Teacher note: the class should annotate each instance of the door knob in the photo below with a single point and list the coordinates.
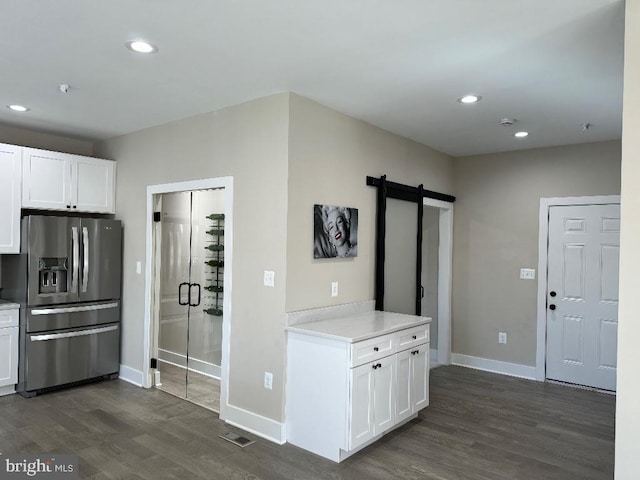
(553, 294)
(552, 307)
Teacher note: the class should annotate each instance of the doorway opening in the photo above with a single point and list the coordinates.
(190, 285)
(414, 265)
(189, 255)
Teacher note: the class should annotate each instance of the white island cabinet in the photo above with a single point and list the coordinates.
(8, 347)
(61, 181)
(352, 379)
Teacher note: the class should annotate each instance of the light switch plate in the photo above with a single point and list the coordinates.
(527, 274)
(138, 267)
(334, 289)
(269, 278)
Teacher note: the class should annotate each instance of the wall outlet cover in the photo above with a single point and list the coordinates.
(268, 380)
(527, 274)
(269, 278)
(334, 289)
(502, 337)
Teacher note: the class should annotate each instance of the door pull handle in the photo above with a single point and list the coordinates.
(199, 294)
(180, 294)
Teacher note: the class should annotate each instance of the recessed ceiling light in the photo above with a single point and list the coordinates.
(470, 99)
(521, 134)
(17, 108)
(140, 46)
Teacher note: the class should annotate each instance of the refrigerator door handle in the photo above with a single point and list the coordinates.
(81, 333)
(75, 258)
(85, 263)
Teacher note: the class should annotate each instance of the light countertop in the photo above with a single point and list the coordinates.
(4, 305)
(360, 326)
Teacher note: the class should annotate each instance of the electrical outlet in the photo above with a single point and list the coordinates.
(268, 380)
(527, 274)
(269, 278)
(138, 267)
(334, 289)
(502, 337)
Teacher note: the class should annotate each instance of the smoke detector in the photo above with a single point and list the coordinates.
(507, 122)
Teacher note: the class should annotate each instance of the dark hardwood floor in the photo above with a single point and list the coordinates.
(478, 426)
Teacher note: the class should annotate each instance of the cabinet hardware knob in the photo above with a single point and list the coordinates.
(68, 206)
(553, 294)
(379, 365)
(75, 206)
(552, 307)
(414, 337)
(374, 366)
(375, 349)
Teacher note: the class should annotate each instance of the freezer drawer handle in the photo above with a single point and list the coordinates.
(82, 333)
(88, 308)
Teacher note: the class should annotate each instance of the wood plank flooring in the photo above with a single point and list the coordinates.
(479, 426)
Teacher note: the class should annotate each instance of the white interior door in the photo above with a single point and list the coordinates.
(582, 294)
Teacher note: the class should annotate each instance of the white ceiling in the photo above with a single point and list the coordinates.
(398, 64)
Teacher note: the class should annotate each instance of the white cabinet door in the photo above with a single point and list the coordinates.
(404, 385)
(10, 178)
(384, 407)
(8, 356)
(361, 405)
(93, 185)
(46, 180)
(420, 377)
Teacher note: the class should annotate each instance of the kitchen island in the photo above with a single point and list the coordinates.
(354, 377)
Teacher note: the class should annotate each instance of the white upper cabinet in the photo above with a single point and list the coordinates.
(10, 176)
(93, 185)
(60, 181)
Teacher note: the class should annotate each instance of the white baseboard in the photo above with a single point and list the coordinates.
(257, 424)
(8, 390)
(495, 366)
(131, 375)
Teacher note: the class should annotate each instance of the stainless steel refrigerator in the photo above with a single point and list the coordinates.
(67, 280)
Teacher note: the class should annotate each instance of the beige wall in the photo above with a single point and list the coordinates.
(46, 141)
(496, 234)
(248, 142)
(330, 156)
(627, 411)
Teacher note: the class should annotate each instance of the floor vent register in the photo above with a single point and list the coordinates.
(236, 439)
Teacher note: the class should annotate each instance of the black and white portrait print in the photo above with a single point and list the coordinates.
(335, 231)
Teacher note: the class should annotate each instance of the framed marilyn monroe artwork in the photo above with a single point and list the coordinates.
(335, 231)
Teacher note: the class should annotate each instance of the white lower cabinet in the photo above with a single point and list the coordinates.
(337, 404)
(412, 381)
(8, 350)
(372, 406)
